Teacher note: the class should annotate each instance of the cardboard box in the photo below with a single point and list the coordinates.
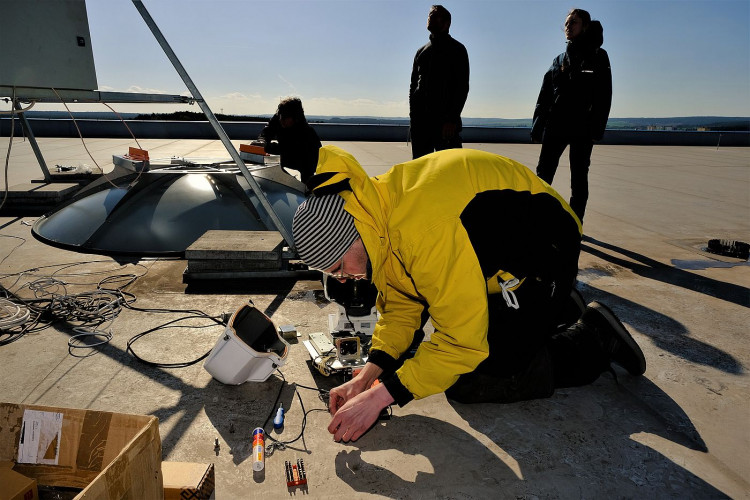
(187, 481)
(110, 456)
(16, 486)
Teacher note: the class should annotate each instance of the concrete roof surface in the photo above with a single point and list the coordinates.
(680, 431)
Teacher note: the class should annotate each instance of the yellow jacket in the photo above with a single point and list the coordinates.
(410, 221)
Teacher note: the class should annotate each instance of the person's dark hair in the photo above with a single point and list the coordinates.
(291, 107)
(594, 36)
(443, 12)
(583, 15)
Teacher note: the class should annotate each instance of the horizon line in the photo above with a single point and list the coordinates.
(264, 115)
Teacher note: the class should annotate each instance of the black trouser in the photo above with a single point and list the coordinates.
(427, 138)
(553, 146)
(528, 357)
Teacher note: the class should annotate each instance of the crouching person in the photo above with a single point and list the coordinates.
(484, 247)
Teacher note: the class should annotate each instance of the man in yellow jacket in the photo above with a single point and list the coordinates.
(483, 246)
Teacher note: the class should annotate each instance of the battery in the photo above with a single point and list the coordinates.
(259, 449)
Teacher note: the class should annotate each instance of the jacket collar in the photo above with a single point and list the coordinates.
(338, 171)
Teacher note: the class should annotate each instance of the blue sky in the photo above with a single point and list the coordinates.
(354, 57)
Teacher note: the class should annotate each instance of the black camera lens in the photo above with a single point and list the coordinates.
(348, 347)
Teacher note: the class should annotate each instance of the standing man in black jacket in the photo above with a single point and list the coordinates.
(573, 105)
(438, 90)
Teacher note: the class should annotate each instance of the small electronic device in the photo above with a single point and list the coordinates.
(347, 345)
(348, 349)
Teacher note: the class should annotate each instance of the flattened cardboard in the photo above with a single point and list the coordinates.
(109, 455)
(187, 481)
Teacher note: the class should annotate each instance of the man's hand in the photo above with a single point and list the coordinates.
(359, 413)
(343, 393)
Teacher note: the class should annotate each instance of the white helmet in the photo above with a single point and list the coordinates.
(249, 350)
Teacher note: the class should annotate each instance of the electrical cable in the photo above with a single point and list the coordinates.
(92, 308)
(76, 342)
(124, 123)
(31, 271)
(322, 391)
(10, 145)
(91, 312)
(80, 135)
(194, 313)
(22, 110)
(12, 314)
(277, 443)
(323, 394)
(23, 240)
(17, 322)
(181, 364)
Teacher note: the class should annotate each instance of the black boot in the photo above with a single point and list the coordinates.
(614, 339)
(574, 307)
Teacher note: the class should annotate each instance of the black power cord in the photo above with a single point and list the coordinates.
(182, 364)
(277, 443)
(85, 312)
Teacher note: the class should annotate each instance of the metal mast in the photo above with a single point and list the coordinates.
(214, 122)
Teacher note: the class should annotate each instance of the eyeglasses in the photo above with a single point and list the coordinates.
(337, 272)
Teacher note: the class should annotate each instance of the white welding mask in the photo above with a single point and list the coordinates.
(249, 350)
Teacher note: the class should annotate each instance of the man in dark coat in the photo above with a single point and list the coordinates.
(438, 90)
(289, 135)
(573, 105)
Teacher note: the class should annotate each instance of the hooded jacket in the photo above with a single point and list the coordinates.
(576, 93)
(441, 232)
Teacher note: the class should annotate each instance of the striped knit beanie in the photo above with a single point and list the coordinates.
(323, 231)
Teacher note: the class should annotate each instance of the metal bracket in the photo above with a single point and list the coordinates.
(32, 141)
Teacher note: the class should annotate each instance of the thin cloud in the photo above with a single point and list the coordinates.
(289, 84)
(133, 89)
(355, 107)
(239, 96)
(145, 90)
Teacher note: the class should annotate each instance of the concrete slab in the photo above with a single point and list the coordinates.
(32, 191)
(251, 245)
(229, 265)
(35, 198)
(681, 431)
(221, 255)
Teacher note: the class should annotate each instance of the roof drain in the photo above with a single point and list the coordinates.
(729, 248)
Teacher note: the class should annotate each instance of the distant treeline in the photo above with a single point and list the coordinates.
(192, 116)
(718, 123)
(677, 123)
